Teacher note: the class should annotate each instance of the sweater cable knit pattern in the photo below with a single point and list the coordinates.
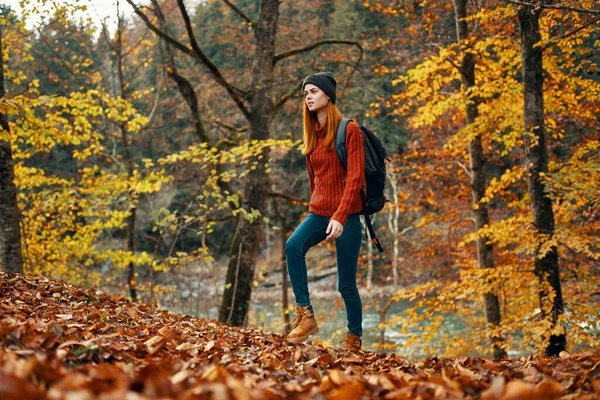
(334, 191)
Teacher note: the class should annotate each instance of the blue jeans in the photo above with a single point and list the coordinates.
(311, 232)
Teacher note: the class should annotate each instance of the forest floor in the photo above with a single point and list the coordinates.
(62, 341)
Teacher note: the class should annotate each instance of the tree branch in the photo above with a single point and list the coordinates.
(155, 106)
(183, 85)
(554, 6)
(226, 142)
(188, 93)
(464, 167)
(208, 63)
(354, 69)
(231, 128)
(582, 27)
(196, 53)
(455, 65)
(163, 35)
(284, 196)
(281, 101)
(293, 52)
(238, 12)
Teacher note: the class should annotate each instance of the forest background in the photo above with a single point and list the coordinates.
(159, 158)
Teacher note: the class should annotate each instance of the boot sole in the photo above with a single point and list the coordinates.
(300, 339)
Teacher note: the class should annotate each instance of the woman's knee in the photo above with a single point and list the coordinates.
(348, 289)
(293, 247)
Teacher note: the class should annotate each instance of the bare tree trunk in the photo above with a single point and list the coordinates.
(130, 221)
(284, 272)
(485, 251)
(369, 262)
(131, 248)
(10, 234)
(393, 224)
(382, 321)
(184, 86)
(266, 228)
(285, 303)
(234, 306)
(546, 266)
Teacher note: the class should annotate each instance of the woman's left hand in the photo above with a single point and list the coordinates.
(334, 230)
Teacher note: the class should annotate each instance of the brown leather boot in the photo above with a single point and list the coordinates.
(304, 325)
(352, 342)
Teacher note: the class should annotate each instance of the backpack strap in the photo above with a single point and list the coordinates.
(374, 240)
(340, 149)
(340, 142)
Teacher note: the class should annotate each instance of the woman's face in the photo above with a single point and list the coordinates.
(315, 98)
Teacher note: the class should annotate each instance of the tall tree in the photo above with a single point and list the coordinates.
(117, 46)
(10, 234)
(546, 262)
(485, 250)
(258, 105)
(259, 114)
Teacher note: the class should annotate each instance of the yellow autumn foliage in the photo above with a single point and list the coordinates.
(63, 217)
(433, 105)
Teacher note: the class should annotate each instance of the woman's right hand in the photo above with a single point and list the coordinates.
(334, 230)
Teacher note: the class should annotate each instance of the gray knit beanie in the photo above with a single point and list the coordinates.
(325, 81)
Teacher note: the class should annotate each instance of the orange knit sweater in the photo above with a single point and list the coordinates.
(334, 191)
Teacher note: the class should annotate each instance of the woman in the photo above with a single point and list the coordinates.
(334, 208)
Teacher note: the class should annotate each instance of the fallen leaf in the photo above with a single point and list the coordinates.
(564, 354)
(155, 343)
(468, 373)
(185, 346)
(338, 377)
(518, 390)
(14, 388)
(495, 390)
(181, 376)
(112, 348)
(351, 391)
(209, 345)
(548, 389)
(297, 355)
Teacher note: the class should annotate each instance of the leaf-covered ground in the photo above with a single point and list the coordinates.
(61, 341)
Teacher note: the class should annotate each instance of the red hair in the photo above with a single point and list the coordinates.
(310, 127)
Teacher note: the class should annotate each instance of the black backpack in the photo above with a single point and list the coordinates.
(375, 157)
